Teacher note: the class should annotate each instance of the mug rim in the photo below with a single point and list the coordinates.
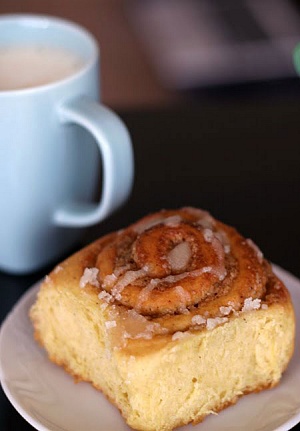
(46, 20)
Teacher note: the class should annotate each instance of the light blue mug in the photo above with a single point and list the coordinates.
(53, 140)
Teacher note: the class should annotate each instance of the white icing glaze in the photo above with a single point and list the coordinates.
(180, 256)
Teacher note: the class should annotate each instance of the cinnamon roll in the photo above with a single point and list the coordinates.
(173, 318)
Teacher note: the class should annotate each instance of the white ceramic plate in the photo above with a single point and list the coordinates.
(49, 400)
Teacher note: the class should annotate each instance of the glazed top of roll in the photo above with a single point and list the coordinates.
(173, 271)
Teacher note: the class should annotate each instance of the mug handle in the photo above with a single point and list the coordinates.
(115, 147)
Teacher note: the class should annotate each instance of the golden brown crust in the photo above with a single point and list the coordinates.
(152, 291)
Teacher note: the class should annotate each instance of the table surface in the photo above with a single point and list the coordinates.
(236, 157)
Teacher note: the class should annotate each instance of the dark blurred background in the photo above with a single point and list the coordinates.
(161, 52)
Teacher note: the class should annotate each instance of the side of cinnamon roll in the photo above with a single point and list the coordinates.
(173, 318)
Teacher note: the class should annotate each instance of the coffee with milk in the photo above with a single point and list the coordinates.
(31, 66)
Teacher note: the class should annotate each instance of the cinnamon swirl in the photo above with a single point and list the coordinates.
(173, 318)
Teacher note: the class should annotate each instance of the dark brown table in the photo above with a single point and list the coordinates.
(236, 156)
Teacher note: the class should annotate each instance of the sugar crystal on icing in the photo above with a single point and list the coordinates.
(179, 335)
(110, 324)
(198, 320)
(121, 270)
(223, 238)
(225, 310)
(183, 310)
(57, 269)
(89, 277)
(277, 285)
(105, 296)
(145, 335)
(211, 323)
(208, 235)
(109, 280)
(227, 248)
(251, 304)
(48, 279)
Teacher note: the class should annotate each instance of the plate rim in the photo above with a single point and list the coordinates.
(31, 292)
